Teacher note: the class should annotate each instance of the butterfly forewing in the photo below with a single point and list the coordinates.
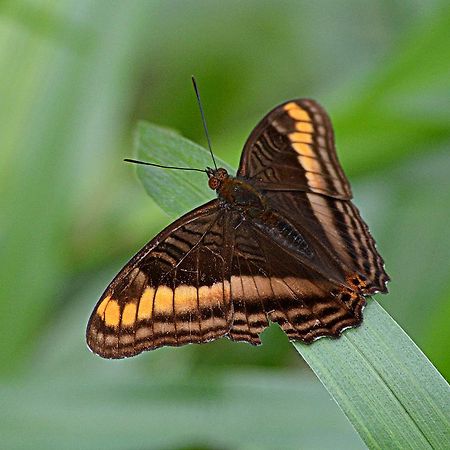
(176, 290)
(291, 156)
(293, 148)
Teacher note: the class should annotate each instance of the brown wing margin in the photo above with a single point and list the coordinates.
(292, 148)
(176, 290)
(267, 283)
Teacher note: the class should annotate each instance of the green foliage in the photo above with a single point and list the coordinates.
(75, 78)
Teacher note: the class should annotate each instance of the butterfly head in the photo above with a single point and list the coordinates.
(216, 177)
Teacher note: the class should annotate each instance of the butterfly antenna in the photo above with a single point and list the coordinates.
(135, 161)
(203, 120)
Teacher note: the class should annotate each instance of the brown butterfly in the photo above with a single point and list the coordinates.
(282, 242)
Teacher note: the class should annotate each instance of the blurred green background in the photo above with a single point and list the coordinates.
(75, 76)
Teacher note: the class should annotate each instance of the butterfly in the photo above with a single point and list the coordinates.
(282, 242)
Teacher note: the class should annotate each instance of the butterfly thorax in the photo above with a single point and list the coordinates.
(250, 204)
(237, 193)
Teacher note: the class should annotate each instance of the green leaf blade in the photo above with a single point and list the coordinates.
(176, 191)
(388, 389)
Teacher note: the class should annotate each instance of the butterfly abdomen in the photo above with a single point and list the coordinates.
(284, 233)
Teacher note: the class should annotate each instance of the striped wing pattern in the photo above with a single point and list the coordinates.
(337, 226)
(219, 271)
(176, 290)
(291, 156)
(268, 283)
(293, 148)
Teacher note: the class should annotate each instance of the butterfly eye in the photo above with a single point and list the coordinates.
(213, 183)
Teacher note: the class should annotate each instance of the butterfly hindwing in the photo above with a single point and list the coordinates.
(176, 290)
(293, 148)
(270, 283)
(336, 225)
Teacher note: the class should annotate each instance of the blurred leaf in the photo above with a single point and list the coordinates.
(58, 115)
(401, 109)
(123, 409)
(387, 388)
(411, 218)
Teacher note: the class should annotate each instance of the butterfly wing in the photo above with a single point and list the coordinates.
(176, 290)
(337, 226)
(291, 157)
(293, 148)
(269, 283)
(216, 272)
